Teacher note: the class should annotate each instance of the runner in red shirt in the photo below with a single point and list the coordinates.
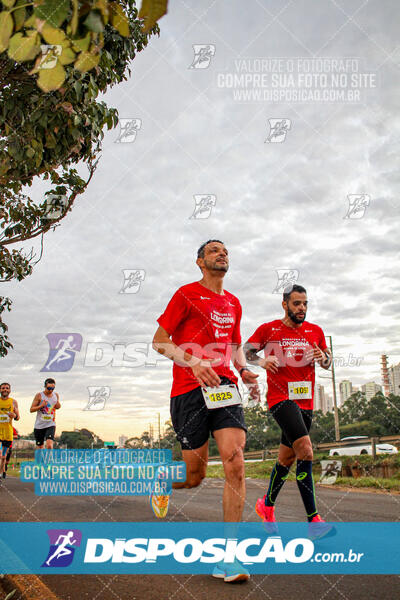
(291, 347)
(200, 332)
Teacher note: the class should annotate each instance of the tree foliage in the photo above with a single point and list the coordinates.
(82, 438)
(49, 38)
(47, 134)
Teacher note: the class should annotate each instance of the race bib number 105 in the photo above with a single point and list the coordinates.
(300, 390)
(223, 395)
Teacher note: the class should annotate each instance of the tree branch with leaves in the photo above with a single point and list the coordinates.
(56, 56)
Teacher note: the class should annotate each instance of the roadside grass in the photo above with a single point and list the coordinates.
(379, 483)
(14, 471)
(262, 470)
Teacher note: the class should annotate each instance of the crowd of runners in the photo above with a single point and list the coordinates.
(200, 332)
(44, 404)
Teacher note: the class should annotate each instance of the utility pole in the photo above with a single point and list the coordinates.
(159, 431)
(335, 406)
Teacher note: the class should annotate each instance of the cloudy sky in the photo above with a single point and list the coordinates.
(279, 200)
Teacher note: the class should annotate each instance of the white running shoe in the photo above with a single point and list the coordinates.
(231, 573)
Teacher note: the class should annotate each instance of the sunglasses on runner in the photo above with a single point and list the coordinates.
(50, 388)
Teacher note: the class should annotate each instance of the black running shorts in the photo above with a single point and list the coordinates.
(47, 433)
(294, 421)
(193, 421)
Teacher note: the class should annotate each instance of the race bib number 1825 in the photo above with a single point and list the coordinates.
(223, 395)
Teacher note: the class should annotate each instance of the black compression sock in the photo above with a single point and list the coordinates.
(278, 477)
(305, 483)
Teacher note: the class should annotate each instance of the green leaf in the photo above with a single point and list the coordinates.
(52, 11)
(119, 20)
(86, 61)
(51, 141)
(8, 3)
(52, 35)
(30, 152)
(23, 48)
(75, 17)
(51, 79)
(82, 44)
(4, 165)
(102, 5)
(31, 21)
(94, 21)
(78, 88)
(6, 29)
(67, 55)
(151, 11)
(19, 15)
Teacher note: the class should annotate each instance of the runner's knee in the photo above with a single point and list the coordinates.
(303, 449)
(286, 456)
(234, 464)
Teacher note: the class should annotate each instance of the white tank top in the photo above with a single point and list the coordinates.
(45, 417)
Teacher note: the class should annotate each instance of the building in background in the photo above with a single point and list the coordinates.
(385, 374)
(328, 403)
(370, 389)
(121, 440)
(320, 400)
(394, 379)
(345, 390)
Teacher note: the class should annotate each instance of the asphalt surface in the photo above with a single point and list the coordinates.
(19, 503)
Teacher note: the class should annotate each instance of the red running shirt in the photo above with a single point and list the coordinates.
(289, 345)
(204, 324)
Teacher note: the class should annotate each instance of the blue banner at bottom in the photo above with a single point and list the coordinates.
(193, 548)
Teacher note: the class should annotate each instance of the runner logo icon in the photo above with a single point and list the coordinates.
(62, 547)
(63, 347)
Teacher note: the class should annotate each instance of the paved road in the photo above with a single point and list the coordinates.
(19, 503)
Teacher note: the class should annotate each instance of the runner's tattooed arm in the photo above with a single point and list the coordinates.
(36, 403)
(270, 363)
(250, 353)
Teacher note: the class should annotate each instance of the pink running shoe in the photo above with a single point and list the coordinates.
(267, 515)
(318, 528)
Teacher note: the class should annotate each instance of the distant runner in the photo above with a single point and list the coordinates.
(9, 453)
(291, 347)
(15, 433)
(7, 415)
(45, 405)
(204, 323)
